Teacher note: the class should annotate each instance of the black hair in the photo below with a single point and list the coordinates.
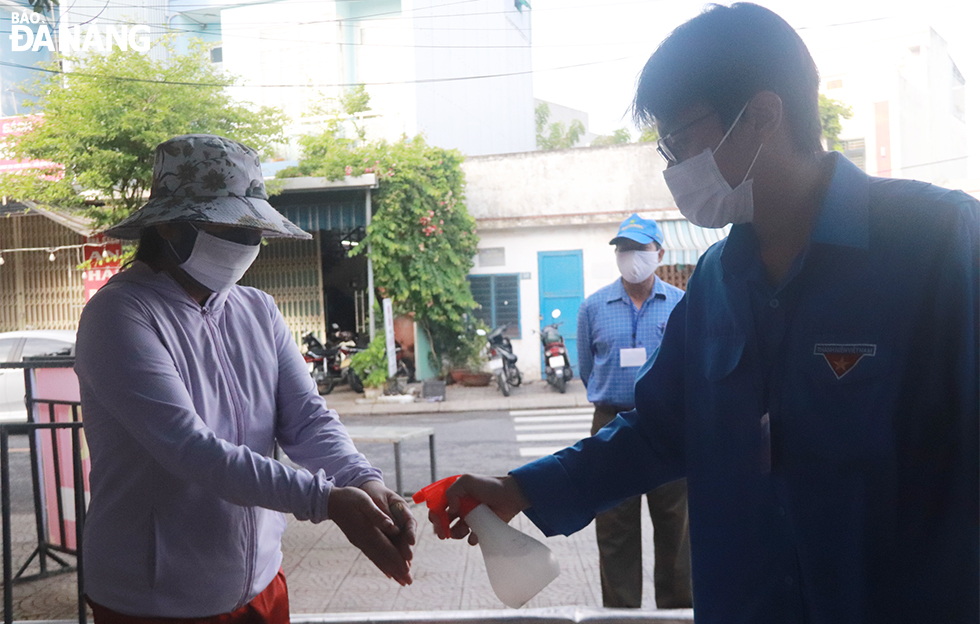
(153, 248)
(722, 58)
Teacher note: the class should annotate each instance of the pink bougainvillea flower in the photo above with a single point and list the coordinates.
(348, 170)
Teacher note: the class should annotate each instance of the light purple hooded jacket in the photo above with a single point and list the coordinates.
(182, 405)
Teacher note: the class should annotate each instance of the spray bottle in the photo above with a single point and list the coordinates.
(518, 565)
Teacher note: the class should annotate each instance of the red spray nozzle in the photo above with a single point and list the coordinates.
(434, 496)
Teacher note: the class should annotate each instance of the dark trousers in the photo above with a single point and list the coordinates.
(618, 533)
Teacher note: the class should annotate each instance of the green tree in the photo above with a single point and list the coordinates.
(352, 101)
(648, 133)
(831, 112)
(554, 135)
(618, 137)
(103, 120)
(422, 240)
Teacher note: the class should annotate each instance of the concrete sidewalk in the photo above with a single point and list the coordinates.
(533, 394)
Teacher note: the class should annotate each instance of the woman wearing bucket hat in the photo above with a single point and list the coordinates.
(188, 382)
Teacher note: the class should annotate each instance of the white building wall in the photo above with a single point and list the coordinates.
(567, 185)
(521, 246)
(565, 200)
(404, 52)
(925, 133)
(491, 38)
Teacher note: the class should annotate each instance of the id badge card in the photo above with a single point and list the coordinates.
(632, 357)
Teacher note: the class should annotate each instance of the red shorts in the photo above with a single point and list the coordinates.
(269, 607)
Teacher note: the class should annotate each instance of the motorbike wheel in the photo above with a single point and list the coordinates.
(502, 382)
(513, 376)
(325, 384)
(355, 382)
(560, 383)
(406, 369)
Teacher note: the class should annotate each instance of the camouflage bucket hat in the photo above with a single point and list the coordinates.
(207, 179)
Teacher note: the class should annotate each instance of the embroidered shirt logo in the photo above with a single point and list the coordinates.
(842, 358)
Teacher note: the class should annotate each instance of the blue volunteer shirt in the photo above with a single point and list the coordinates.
(609, 321)
(827, 426)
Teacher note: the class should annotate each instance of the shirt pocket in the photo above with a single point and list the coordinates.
(845, 409)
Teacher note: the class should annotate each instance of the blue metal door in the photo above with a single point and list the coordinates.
(560, 287)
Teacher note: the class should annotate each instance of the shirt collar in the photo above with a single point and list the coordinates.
(618, 292)
(842, 220)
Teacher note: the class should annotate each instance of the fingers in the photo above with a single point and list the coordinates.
(373, 532)
(461, 530)
(387, 557)
(405, 521)
(438, 527)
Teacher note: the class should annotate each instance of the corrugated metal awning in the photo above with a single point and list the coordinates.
(338, 216)
(684, 242)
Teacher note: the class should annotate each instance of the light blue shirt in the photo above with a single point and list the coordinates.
(827, 427)
(608, 321)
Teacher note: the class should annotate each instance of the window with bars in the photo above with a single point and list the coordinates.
(854, 151)
(498, 301)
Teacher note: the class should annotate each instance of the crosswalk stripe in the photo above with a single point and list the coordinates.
(550, 412)
(553, 419)
(564, 426)
(546, 427)
(541, 437)
(538, 451)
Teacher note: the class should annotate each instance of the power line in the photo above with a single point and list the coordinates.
(227, 30)
(438, 47)
(340, 84)
(935, 162)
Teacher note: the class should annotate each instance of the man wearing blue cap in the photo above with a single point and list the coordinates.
(619, 327)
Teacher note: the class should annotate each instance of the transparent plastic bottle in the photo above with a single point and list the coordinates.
(518, 565)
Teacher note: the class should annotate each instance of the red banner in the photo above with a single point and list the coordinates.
(15, 126)
(59, 384)
(104, 261)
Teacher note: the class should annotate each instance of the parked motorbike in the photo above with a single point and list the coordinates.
(557, 367)
(330, 365)
(503, 361)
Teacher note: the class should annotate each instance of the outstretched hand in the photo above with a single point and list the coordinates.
(377, 521)
(502, 495)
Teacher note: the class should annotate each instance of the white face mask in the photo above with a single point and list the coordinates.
(703, 195)
(636, 267)
(217, 263)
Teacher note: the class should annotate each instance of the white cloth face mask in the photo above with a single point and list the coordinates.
(217, 263)
(637, 266)
(703, 195)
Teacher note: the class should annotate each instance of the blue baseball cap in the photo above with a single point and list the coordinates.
(643, 231)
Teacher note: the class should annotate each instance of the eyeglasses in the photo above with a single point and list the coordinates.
(664, 149)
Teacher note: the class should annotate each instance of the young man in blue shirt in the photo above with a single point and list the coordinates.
(619, 326)
(818, 385)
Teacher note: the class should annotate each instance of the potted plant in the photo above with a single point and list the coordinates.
(371, 366)
(468, 361)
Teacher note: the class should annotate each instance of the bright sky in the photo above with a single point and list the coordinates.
(571, 32)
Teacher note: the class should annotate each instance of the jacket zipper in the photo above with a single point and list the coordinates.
(240, 439)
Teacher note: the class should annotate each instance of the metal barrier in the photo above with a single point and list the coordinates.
(62, 533)
(548, 615)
